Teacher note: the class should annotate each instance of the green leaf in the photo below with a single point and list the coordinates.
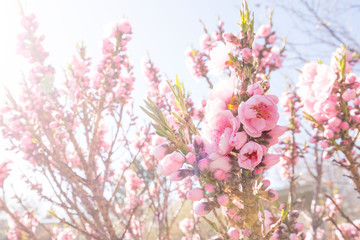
(211, 223)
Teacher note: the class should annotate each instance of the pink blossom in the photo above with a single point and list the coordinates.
(159, 151)
(219, 58)
(219, 97)
(219, 130)
(209, 188)
(315, 86)
(234, 233)
(247, 56)
(259, 113)
(275, 133)
(255, 89)
(344, 125)
(270, 160)
(190, 158)
(195, 194)
(299, 226)
(186, 225)
(171, 163)
(273, 195)
(263, 31)
(349, 95)
(218, 161)
(223, 199)
(202, 209)
(219, 174)
(250, 155)
(203, 164)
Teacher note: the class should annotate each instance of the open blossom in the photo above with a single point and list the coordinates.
(251, 155)
(219, 58)
(264, 31)
(186, 225)
(259, 113)
(221, 129)
(315, 86)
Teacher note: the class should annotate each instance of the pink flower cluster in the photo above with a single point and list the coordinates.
(16, 231)
(330, 95)
(197, 59)
(63, 234)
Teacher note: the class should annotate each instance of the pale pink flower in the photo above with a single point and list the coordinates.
(218, 161)
(255, 89)
(159, 151)
(234, 233)
(259, 113)
(202, 209)
(275, 133)
(251, 155)
(270, 160)
(219, 58)
(195, 194)
(315, 86)
(186, 225)
(171, 163)
(209, 188)
(222, 127)
(349, 95)
(223, 199)
(263, 31)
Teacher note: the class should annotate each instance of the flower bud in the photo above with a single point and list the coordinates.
(203, 164)
(195, 194)
(299, 226)
(349, 95)
(273, 195)
(223, 200)
(203, 208)
(159, 151)
(190, 158)
(219, 174)
(234, 233)
(209, 188)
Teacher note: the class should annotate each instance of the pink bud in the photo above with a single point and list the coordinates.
(299, 226)
(273, 195)
(255, 89)
(349, 95)
(265, 184)
(272, 39)
(246, 54)
(203, 102)
(219, 174)
(334, 122)
(159, 151)
(324, 144)
(171, 163)
(293, 236)
(357, 101)
(202, 209)
(190, 158)
(203, 164)
(234, 233)
(209, 188)
(328, 133)
(195, 194)
(270, 160)
(344, 125)
(223, 200)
